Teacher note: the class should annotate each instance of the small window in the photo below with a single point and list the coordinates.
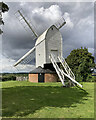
(52, 28)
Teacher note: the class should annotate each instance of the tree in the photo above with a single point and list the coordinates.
(80, 61)
(3, 8)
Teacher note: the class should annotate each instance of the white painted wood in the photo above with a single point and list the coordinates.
(55, 54)
(53, 42)
(40, 54)
(57, 68)
(41, 38)
(66, 67)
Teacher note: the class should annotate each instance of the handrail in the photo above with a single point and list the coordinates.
(59, 72)
(66, 67)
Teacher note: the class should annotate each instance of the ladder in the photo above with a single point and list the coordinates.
(60, 72)
(66, 67)
(57, 68)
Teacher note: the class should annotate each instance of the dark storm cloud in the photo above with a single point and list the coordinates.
(76, 33)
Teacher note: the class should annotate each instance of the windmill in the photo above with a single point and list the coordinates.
(48, 54)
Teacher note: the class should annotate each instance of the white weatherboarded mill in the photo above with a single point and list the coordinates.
(48, 51)
(49, 42)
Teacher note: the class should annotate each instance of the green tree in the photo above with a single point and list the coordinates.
(80, 61)
(3, 8)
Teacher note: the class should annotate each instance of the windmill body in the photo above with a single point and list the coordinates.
(50, 42)
(48, 54)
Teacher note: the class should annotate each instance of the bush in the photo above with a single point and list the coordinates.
(90, 78)
(8, 77)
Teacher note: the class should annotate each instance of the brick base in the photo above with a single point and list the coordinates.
(33, 78)
(47, 77)
(51, 78)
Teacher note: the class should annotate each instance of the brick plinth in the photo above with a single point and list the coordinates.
(51, 78)
(47, 77)
(33, 78)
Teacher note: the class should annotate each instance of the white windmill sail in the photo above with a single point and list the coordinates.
(26, 23)
(61, 22)
(29, 56)
(26, 58)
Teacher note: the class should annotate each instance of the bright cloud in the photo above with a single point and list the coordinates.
(22, 3)
(7, 65)
(52, 13)
(88, 22)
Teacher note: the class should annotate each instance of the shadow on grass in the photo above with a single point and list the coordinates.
(21, 101)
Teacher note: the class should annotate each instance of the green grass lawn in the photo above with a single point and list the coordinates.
(46, 100)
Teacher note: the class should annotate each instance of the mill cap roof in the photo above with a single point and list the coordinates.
(43, 36)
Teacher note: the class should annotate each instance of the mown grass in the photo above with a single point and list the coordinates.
(46, 100)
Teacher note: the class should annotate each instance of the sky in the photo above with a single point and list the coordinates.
(16, 41)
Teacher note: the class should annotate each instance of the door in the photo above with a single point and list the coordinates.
(55, 54)
(40, 77)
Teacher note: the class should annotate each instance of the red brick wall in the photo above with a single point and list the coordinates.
(33, 78)
(47, 78)
(51, 78)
